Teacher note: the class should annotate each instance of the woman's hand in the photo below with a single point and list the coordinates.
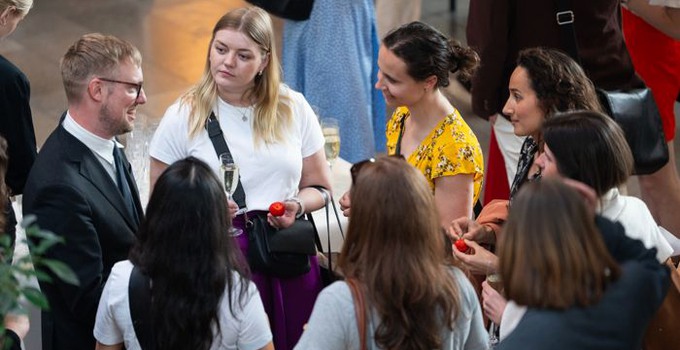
(232, 207)
(478, 260)
(288, 217)
(18, 323)
(466, 228)
(345, 203)
(493, 303)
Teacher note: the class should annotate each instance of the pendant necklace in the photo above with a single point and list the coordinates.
(243, 112)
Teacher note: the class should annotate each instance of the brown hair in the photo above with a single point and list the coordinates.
(551, 254)
(395, 249)
(94, 54)
(559, 82)
(427, 52)
(589, 147)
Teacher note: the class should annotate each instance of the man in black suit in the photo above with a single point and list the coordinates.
(81, 187)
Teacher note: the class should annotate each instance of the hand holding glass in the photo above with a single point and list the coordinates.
(494, 280)
(230, 178)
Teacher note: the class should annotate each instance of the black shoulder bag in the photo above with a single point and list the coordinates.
(275, 252)
(635, 110)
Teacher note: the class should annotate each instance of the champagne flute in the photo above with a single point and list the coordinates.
(230, 179)
(494, 280)
(331, 134)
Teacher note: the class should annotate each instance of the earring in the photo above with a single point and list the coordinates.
(259, 74)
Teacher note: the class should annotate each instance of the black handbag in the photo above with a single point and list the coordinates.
(280, 252)
(297, 10)
(275, 252)
(634, 110)
(637, 114)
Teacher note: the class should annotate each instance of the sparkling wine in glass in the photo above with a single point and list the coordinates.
(230, 177)
(494, 280)
(331, 134)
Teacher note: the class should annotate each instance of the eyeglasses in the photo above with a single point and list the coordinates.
(356, 168)
(136, 85)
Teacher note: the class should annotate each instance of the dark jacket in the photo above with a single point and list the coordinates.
(73, 196)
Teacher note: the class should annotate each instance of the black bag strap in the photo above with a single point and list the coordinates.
(139, 294)
(565, 20)
(220, 145)
(327, 198)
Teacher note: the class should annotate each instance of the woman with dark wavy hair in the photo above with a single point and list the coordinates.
(394, 250)
(201, 296)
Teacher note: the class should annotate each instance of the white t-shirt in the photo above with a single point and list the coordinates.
(113, 325)
(635, 217)
(269, 173)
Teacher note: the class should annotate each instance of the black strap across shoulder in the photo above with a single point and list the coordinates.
(565, 20)
(220, 145)
(139, 294)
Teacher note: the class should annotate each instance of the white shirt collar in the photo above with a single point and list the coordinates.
(100, 146)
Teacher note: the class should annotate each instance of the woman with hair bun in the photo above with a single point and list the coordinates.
(415, 62)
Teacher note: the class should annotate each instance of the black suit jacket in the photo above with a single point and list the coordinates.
(73, 196)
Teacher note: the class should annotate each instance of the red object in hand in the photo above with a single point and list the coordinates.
(277, 209)
(461, 246)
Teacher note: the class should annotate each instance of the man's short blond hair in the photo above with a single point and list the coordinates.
(94, 54)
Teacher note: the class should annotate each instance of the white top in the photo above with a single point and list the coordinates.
(113, 325)
(332, 325)
(269, 173)
(669, 3)
(635, 217)
(512, 314)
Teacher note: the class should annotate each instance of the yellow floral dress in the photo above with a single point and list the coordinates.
(450, 149)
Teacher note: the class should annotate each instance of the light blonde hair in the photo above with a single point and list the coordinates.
(273, 114)
(21, 6)
(94, 54)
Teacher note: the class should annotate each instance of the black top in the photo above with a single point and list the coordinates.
(16, 124)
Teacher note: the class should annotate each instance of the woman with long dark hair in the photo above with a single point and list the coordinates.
(395, 252)
(201, 296)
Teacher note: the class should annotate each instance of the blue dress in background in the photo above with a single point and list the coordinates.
(332, 59)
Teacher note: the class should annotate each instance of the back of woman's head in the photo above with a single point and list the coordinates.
(394, 247)
(184, 248)
(551, 254)
(589, 147)
(427, 52)
(559, 82)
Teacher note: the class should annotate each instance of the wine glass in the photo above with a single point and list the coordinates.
(331, 134)
(494, 280)
(230, 179)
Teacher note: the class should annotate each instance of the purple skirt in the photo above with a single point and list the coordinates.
(287, 301)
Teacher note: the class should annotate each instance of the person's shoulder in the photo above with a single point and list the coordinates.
(294, 96)
(9, 71)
